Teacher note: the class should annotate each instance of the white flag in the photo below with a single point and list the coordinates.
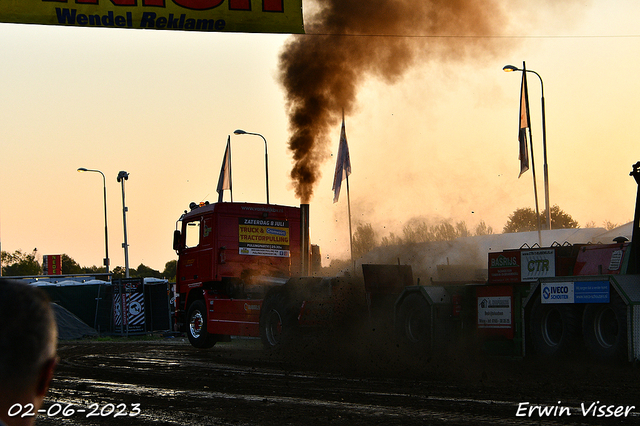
(343, 164)
(224, 181)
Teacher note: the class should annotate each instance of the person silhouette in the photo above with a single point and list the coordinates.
(28, 346)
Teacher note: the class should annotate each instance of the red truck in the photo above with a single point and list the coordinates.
(245, 270)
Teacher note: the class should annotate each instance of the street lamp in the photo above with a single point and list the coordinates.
(266, 157)
(106, 232)
(122, 176)
(511, 68)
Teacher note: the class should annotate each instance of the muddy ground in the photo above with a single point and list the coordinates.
(168, 382)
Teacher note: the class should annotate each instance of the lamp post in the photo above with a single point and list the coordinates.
(511, 68)
(122, 176)
(266, 156)
(106, 232)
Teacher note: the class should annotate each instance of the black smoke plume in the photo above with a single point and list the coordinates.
(350, 40)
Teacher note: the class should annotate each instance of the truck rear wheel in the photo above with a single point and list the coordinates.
(278, 321)
(554, 329)
(413, 324)
(197, 332)
(604, 327)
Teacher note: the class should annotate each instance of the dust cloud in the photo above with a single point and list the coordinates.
(458, 260)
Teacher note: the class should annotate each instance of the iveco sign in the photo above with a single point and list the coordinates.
(575, 292)
(557, 292)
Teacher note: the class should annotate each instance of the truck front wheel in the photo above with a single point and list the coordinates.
(554, 329)
(197, 332)
(413, 324)
(604, 327)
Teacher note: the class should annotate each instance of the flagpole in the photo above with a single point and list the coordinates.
(230, 162)
(350, 233)
(343, 170)
(544, 146)
(533, 161)
(349, 212)
(525, 123)
(535, 188)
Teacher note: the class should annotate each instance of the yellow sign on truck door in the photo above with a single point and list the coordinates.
(252, 16)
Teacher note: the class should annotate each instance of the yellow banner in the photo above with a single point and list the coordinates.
(263, 237)
(252, 16)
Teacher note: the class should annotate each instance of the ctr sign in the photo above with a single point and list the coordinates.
(261, 16)
(538, 264)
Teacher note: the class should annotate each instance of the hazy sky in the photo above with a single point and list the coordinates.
(439, 143)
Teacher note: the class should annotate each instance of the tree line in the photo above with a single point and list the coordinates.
(20, 263)
(417, 230)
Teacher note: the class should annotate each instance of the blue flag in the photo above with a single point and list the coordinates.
(343, 164)
(525, 123)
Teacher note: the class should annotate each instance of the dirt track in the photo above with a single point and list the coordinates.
(237, 383)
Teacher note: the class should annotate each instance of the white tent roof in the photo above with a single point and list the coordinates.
(606, 237)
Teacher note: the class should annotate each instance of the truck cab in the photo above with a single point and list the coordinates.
(229, 256)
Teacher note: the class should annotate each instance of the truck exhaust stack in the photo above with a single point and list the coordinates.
(305, 246)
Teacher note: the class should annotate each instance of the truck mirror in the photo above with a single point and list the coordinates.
(176, 239)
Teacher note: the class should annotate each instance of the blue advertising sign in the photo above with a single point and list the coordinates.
(591, 292)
